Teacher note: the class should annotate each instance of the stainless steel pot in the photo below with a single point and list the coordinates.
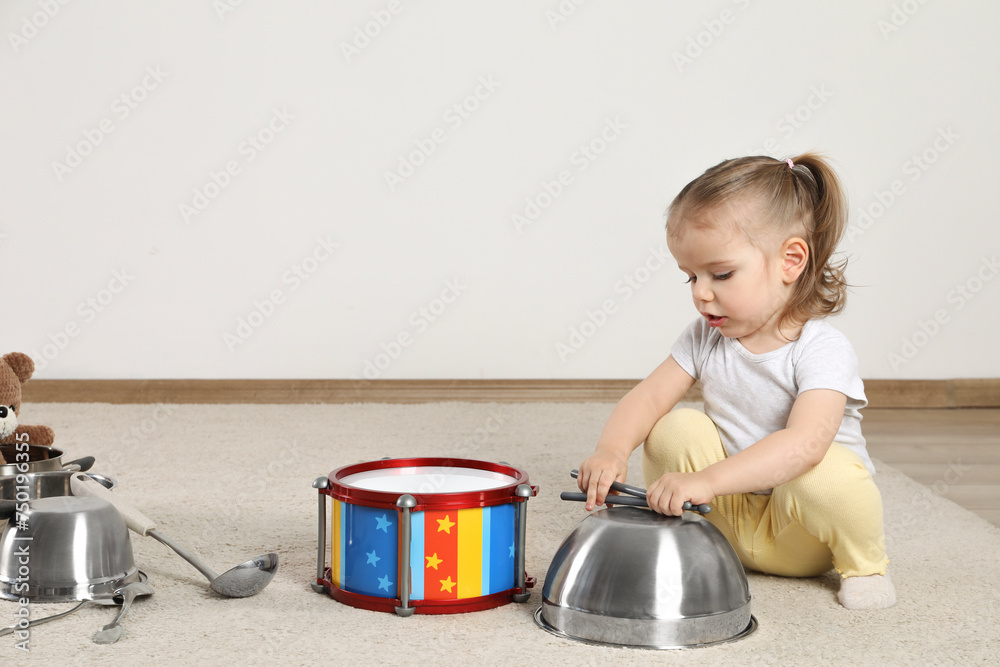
(19, 489)
(627, 576)
(38, 459)
(69, 548)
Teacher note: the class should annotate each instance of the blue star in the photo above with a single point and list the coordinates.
(383, 523)
(384, 583)
(372, 558)
(512, 550)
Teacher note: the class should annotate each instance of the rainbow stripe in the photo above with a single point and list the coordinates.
(336, 548)
(464, 553)
(454, 554)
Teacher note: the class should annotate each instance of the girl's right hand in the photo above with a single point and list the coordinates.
(597, 473)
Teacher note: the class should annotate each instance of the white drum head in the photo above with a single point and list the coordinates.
(428, 479)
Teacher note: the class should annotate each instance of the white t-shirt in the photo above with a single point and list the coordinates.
(749, 396)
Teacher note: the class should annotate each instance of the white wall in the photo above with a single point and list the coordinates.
(887, 82)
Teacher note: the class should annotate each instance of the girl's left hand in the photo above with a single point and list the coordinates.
(668, 494)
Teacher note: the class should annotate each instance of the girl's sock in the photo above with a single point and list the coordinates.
(872, 592)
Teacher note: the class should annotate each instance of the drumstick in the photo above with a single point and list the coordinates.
(620, 500)
(641, 493)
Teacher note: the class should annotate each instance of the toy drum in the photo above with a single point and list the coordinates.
(425, 535)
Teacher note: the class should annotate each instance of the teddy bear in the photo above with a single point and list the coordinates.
(15, 369)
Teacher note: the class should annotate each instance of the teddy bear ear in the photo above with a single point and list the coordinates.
(21, 364)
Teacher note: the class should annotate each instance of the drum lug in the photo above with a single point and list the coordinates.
(524, 491)
(405, 503)
(320, 483)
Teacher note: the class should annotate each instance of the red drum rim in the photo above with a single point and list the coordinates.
(372, 603)
(500, 495)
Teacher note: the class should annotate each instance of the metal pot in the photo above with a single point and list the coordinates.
(70, 548)
(34, 485)
(39, 459)
(627, 576)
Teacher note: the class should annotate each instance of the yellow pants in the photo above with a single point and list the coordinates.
(830, 516)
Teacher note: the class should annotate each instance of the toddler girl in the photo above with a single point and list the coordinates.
(778, 452)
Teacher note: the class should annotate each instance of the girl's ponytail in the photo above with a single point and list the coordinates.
(821, 289)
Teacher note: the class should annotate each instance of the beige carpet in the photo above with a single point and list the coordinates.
(234, 481)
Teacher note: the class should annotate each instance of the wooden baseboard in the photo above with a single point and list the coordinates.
(969, 393)
(323, 391)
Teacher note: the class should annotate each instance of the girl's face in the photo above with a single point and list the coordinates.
(732, 285)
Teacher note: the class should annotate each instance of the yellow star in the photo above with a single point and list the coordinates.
(445, 524)
(447, 584)
(433, 561)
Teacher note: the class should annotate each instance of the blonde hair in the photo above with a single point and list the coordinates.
(797, 197)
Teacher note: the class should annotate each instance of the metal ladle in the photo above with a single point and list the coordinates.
(246, 579)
